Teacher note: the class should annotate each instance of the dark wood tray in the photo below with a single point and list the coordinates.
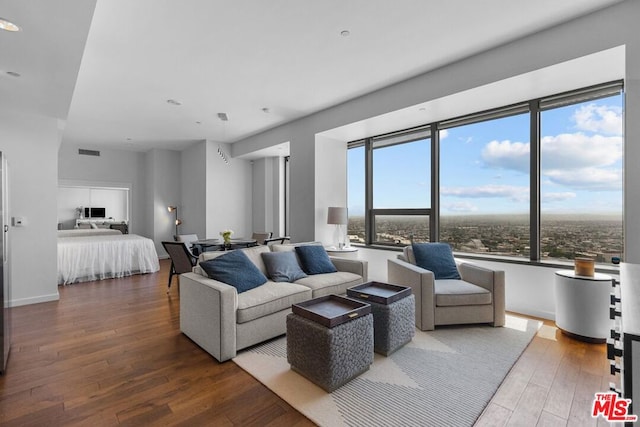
(379, 292)
(331, 310)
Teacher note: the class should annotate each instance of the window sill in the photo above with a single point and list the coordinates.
(601, 268)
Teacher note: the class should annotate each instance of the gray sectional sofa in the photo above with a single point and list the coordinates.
(222, 321)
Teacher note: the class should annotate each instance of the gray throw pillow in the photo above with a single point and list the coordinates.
(283, 266)
(236, 269)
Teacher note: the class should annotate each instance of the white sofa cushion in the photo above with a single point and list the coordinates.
(454, 292)
(269, 298)
(330, 283)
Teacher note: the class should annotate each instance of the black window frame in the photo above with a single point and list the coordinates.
(533, 106)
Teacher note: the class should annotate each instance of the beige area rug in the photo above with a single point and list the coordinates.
(444, 377)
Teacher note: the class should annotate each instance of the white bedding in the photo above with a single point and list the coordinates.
(103, 257)
(79, 232)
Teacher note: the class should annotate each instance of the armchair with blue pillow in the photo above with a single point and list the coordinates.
(448, 292)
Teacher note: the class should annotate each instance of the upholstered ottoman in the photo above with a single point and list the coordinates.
(330, 345)
(393, 309)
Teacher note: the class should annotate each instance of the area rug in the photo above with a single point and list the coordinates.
(444, 377)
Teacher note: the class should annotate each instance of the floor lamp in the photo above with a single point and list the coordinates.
(178, 221)
(338, 216)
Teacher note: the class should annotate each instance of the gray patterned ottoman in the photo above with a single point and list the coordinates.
(393, 309)
(330, 356)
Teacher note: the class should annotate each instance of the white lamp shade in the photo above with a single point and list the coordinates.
(337, 215)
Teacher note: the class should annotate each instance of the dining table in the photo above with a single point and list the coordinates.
(219, 245)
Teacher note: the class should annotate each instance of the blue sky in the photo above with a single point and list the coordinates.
(484, 167)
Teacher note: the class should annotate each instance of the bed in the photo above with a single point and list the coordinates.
(85, 257)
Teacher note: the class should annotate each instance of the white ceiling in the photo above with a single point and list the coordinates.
(236, 57)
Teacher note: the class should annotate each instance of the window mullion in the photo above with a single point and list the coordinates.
(368, 199)
(534, 176)
(434, 218)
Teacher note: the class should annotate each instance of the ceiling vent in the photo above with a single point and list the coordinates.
(84, 152)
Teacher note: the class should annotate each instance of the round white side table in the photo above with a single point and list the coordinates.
(349, 252)
(582, 305)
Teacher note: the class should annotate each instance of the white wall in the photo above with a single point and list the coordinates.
(163, 174)
(228, 193)
(268, 195)
(30, 144)
(608, 28)
(115, 168)
(330, 185)
(193, 190)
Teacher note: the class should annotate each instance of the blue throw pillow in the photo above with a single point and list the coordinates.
(235, 269)
(282, 266)
(438, 258)
(314, 259)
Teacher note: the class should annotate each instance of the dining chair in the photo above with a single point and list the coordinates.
(261, 238)
(189, 239)
(182, 260)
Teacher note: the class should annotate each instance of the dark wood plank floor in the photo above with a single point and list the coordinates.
(111, 353)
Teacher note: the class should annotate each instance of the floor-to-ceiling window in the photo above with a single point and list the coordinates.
(538, 180)
(401, 190)
(484, 185)
(581, 176)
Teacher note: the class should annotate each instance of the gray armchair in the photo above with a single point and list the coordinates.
(478, 298)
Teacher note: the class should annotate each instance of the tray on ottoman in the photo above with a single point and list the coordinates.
(331, 310)
(378, 292)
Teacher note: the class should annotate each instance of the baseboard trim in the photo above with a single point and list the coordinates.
(34, 300)
(535, 313)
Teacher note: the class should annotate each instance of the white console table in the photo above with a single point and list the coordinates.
(104, 221)
(582, 305)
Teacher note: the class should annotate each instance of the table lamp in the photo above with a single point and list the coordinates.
(338, 216)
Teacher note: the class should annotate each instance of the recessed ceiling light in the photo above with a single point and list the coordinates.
(266, 110)
(198, 122)
(13, 74)
(173, 102)
(8, 25)
(345, 33)
(223, 117)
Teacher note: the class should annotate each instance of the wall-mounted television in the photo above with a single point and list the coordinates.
(95, 212)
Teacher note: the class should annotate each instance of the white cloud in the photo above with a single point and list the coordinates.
(561, 152)
(594, 118)
(557, 197)
(577, 150)
(444, 133)
(460, 207)
(587, 178)
(512, 192)
(507, 155)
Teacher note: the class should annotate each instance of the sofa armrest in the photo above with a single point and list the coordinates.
(208, 314)
(492, 280)
(421, 282)
(355, 266)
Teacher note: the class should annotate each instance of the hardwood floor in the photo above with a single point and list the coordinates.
(111, 353)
